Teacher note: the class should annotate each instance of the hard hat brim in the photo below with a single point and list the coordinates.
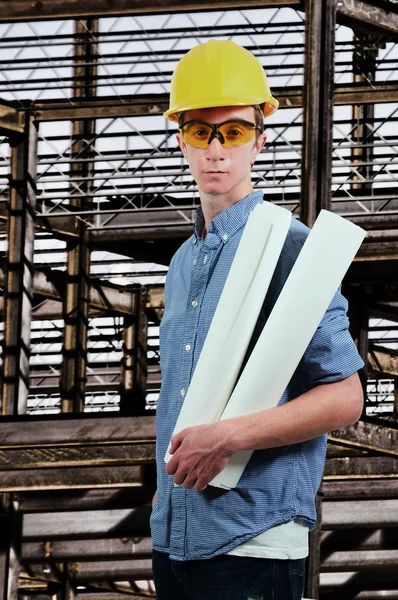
(270, 107)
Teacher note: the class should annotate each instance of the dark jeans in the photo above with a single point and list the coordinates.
(228, 577)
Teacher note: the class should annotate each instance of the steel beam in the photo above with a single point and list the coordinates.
(84, 550)
(12, 120)
(318, 109)
(45, 431)
(131, 453)
(375, 436)
(95, 499)
(51, 454)
(129, 522)
(363, 467)
(73, 477)
(383, 360)
(127, 106)
(131, 570)
(106, 107)
(74, 364)
(360, 560)
(362, 538)
(363, 513)
(370, 14)
(19, 268)
(102, 296)
(361, 489)
(25, 10)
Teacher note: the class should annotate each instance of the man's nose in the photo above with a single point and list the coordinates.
(215, 150)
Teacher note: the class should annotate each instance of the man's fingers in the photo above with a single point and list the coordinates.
(189, 482)
(174, 444)
(179, 476)
(177, 440)
(201, 485)
(172, 466)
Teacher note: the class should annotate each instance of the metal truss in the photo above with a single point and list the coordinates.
(118, 171)
(112, 199)
(138, 180)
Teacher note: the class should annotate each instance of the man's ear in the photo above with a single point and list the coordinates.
(258, 146)
(182, 145)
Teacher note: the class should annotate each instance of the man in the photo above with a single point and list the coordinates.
(249, 542)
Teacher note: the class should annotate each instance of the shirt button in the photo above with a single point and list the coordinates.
(194, 261)
(225, 237)
(194, 303)
(205, 260)
(188, 347)
(182, 392)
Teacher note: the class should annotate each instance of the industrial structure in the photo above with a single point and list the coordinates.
(94, 200)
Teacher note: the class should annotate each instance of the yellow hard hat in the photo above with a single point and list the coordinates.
(219, 73)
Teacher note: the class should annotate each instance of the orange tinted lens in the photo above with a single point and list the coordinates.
(236, 133)
(196, 134)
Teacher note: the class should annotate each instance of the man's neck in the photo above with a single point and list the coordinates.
(213, 205)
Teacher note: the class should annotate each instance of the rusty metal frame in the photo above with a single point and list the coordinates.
(318, 109)
(78, 453)
(19, 271)
(74, 364)
(22, 10)
(12, 120)
(370, 13)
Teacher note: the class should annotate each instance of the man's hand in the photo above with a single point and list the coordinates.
(199, 454)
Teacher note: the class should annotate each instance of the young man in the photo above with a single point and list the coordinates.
(249, 542)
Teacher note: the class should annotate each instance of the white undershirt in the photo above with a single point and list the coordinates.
(287, 541)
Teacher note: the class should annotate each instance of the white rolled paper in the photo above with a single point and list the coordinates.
(235, 317)
(314, 279)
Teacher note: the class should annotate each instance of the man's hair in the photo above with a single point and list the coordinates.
(259, 118)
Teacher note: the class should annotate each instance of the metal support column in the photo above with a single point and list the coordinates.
(134, 361)
(364, 70)
(314, 558)
(10, 546)
(363, 335)
(19, 271)
(76, 303)
(318, 92)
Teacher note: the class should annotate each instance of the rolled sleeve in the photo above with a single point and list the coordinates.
(331, 354)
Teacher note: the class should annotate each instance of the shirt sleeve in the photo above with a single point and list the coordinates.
(331, 355)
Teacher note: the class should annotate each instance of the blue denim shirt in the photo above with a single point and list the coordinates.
(278, 484)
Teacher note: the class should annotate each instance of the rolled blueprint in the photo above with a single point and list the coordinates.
(235, 317)
(321, 265)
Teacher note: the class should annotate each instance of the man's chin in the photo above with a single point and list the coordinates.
(214, 190)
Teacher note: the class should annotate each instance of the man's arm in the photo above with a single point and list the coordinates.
(200, 453)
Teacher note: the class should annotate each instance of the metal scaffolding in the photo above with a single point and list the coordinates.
(94, 200)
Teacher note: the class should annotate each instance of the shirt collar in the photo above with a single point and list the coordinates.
(228, 222)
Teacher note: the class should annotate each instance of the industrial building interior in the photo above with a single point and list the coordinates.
(94, 200)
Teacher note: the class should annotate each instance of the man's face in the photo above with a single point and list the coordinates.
(218, 170)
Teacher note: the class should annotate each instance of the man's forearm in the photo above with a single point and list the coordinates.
(200, 453)
(318, 411)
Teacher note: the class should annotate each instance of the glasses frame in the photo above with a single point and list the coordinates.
(214, 129)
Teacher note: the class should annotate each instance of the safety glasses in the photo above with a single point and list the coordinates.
(232, 133)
